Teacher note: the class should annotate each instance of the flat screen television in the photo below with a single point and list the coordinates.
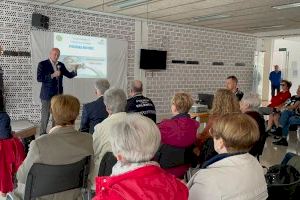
(206, 99)
(153, 59)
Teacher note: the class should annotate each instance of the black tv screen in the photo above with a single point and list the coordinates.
(153, 59)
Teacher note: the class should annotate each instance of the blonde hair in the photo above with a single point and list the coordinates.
(65, 109)
(238, 131)
(137, 138)
(183, 102)
(224, 102)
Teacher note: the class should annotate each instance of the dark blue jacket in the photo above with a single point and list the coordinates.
(5, 128)
(275, 78)
(92, 114)
(51, 87)
(142, 105)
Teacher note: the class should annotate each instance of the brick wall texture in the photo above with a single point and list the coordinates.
(181, 42)
(197, 44)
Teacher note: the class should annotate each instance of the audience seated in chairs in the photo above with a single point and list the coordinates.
(178, 134)
(63, 145)
(290, 104)
(134, 142)
(115, 102)
(249, 105)
(224, 102)
(233, 173)
(11, 154)
(278, 100)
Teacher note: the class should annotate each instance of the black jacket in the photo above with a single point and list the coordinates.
(142, 105)
(51, 86)
(93, 113)
(5, 128)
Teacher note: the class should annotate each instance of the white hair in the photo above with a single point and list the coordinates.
(115, 100)
(102, 85)
(252, 100)
(137, 138)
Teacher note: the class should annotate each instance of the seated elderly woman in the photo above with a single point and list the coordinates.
(11, 154)
(115, 102)
(224, 102)
(178, 134)
(63, 145)
(249, 105)
(134, 142)
(233, 173)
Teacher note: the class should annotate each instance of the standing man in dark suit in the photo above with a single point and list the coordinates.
(50, 73)
(94, 112)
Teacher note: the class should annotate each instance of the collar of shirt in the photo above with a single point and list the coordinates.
(53, 64)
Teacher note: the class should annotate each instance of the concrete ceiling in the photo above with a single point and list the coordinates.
(249, 16)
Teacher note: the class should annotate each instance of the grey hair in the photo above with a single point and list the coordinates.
(252, 99)
(115, 100)
(102, 85)
(137, 138)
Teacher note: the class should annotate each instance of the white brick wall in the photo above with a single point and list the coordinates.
(203, 45)
(181, 42)
(15, 26)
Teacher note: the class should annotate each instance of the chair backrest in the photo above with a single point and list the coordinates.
(46, 179)
(107, 163)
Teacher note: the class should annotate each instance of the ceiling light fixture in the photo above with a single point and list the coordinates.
(286, 6)
(128, 3)
(266, 27)
(209, 17)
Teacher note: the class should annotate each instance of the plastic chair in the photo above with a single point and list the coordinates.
(46, 179)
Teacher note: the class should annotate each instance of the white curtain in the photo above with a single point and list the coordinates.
(82, 88)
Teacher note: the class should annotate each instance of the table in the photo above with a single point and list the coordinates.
(23, 128)
(200, 117)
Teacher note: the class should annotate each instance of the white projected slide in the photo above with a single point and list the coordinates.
(89, 54)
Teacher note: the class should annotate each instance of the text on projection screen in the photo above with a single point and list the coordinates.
(89, 54)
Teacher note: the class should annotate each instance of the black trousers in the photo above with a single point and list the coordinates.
(273, 88)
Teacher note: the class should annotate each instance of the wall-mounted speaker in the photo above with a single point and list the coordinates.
(40, 21)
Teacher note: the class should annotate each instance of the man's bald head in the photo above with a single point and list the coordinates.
(54, 54)
(137, 86)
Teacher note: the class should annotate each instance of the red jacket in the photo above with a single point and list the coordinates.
(180, 131)
(145, 183)
(11, 157)
(279, 99)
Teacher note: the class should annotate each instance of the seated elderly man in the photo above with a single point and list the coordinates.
(277, 101)
(115, 102)
(63, 145)
(249, 105)
(94, 112)
(134, 142)
(139, 103)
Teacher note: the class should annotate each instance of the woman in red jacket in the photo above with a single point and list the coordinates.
(134, 142)
(11, 154)
(178, 134)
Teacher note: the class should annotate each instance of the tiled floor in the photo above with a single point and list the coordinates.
(274, 154)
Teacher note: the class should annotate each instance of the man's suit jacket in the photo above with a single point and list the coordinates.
(63, 145)
(51, 86)
(92, 114)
